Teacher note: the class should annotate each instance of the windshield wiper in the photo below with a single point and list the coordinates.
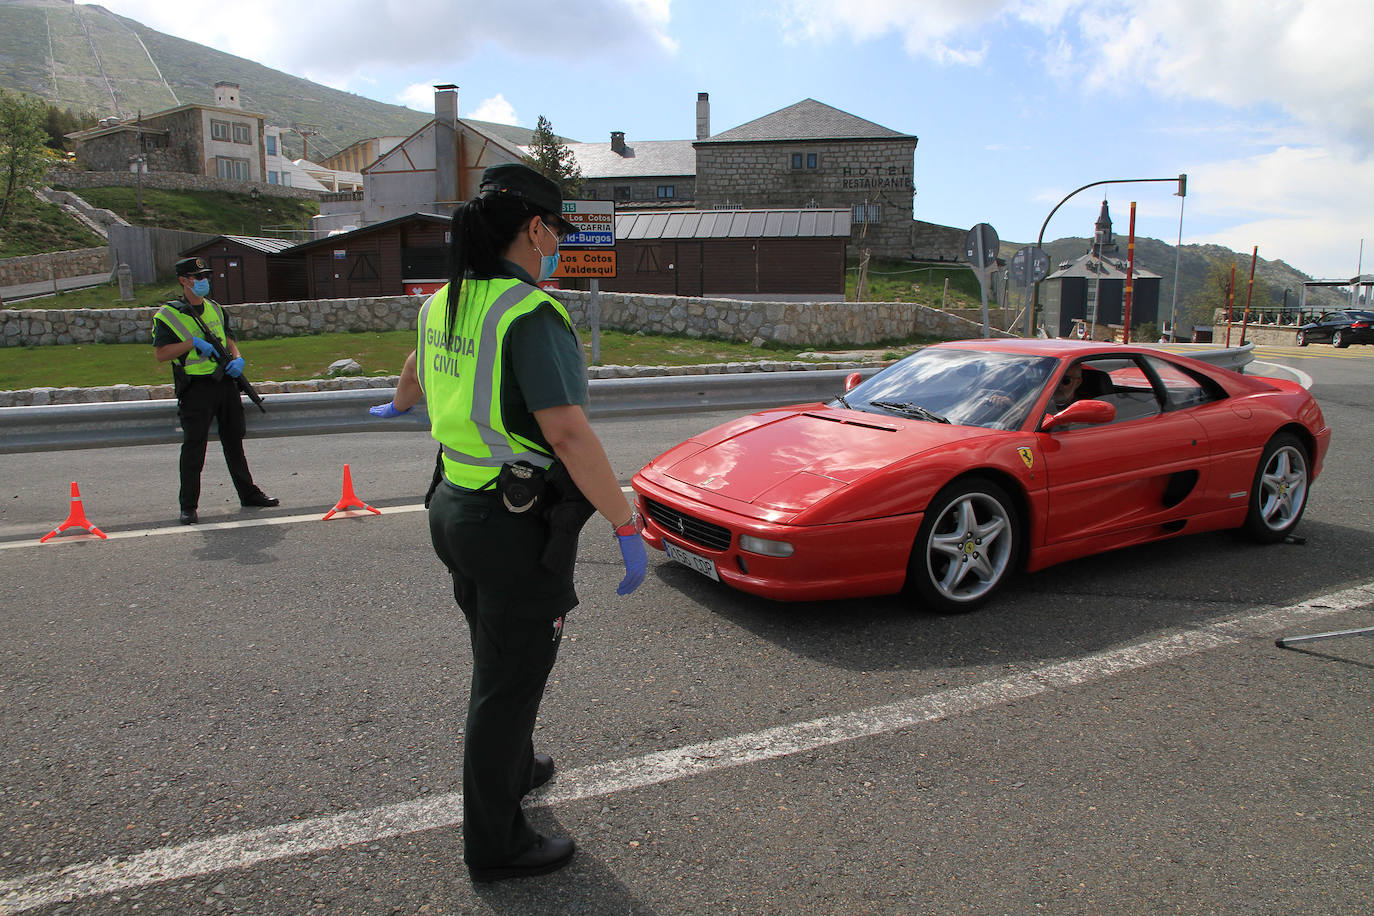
(911, 410)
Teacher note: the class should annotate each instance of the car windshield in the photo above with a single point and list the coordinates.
(963, 387)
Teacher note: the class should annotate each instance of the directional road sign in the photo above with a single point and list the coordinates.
(595, 222)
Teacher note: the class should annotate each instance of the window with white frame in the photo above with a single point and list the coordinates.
(242, 133)
(220, 130)
(235, 169)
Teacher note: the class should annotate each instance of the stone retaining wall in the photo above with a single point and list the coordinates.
(799, 324)
(170, 181)
(1261, 335)
(37, 268)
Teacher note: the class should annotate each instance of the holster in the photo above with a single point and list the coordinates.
(566, 511)
(180, 380)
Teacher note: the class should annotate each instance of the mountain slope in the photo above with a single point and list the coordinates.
(1195, 262)
(88, 59)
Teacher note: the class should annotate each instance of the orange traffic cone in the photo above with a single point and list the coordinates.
(75, 519)
(349, 499)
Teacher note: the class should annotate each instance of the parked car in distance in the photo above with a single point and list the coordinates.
(1342, 328)
(948, 471)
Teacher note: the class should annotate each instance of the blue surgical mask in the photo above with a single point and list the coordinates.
(201, 287)
(548, 263)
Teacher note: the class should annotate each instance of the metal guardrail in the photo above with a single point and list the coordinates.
(67, 426)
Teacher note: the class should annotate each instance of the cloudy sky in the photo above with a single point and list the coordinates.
(1267, 105)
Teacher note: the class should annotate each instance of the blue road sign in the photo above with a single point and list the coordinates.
(591, 237)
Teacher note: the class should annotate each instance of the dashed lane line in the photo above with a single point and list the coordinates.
(267, 844)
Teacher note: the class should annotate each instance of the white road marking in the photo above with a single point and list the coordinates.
(75, 537)
(244, 850)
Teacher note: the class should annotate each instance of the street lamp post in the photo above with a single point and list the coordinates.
(1182, 180)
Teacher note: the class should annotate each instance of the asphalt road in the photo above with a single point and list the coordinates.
(266, 716)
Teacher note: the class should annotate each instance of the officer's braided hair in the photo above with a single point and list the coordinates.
(481, 231)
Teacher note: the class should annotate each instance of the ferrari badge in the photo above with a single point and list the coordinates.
(1027, 457)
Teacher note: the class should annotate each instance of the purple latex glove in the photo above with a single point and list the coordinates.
(636, 562)
(387, 411)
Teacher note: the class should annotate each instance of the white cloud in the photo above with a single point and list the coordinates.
(927, 29)
(1308, 206)
(418, 96)
(1309, 58)
(347, 46)
(495, 109)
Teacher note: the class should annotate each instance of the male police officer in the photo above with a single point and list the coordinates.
(182, 331)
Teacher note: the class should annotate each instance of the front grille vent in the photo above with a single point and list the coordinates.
(693, 529)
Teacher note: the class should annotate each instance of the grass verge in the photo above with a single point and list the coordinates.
(283, 359)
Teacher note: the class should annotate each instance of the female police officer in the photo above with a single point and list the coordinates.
(502, 371)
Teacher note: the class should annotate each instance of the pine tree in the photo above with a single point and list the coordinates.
(550, 157)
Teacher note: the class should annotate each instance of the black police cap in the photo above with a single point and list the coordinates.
(521, 181)
(192, 267)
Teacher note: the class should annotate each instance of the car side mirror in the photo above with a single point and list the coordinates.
(851, 380)
(1080, 412)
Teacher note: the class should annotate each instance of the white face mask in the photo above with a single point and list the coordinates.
(548, 263)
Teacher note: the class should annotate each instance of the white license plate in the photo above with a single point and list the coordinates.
(702, 565)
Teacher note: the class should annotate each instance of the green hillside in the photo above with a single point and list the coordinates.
(1194, 264)
(86, 58)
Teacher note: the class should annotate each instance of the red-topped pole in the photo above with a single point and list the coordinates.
(1130, 289)
(1230, 298)
(1245, 321)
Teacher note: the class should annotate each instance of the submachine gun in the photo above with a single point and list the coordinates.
(222, 359)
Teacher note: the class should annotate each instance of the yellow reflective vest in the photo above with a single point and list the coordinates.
(462, 373)
(185, 327)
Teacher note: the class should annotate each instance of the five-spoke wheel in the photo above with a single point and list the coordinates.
(1278, 495)
(966, 546)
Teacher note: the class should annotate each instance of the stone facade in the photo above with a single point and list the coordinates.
(37, 268)
(875, 174)
(800, 324)
(188, 139)
(633, 193)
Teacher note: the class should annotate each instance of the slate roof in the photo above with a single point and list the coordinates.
(1093, 267)
(645, 159)
(267, 245)
(733, 224)
(806, 120)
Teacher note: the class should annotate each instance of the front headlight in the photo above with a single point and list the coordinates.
(764, 546)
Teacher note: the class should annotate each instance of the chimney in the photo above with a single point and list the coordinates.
(618, 142)
(446, 189)
(703, 115)
(227, 95)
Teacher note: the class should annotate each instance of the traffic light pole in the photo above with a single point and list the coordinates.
(1040, 239)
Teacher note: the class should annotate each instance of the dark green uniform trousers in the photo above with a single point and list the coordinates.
(514, 609)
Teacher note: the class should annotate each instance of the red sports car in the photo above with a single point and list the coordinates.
(947, 471)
